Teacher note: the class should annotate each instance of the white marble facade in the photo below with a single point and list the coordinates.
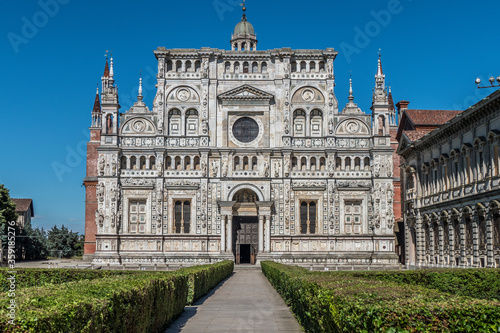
(245, 135)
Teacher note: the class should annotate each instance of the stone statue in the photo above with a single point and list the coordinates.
(102, 165)
(287, 167)
(99, 216)
(330, 126)
(100, 192)
(277, 166)
(215, 169)
(205, 67)
(266, 169)
(287, 68)
(159, 166)
(113, 167)
(203, 169)
(331, 168)
(204, 126)
(224, 169)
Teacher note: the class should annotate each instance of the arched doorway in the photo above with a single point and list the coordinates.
(245, 231)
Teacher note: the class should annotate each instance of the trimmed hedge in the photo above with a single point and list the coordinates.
(203, 278)
(483, 283)
(333, 302)
(118, 302)
(37, 277)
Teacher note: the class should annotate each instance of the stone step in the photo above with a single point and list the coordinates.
(246, 267)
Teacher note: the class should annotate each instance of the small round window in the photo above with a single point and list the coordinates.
(245, 129)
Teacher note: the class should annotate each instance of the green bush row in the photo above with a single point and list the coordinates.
(203, 278)
(37, 277)
(483, 283)
(332, 302)
(132, 302)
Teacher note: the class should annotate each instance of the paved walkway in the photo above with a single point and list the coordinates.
(245, 302)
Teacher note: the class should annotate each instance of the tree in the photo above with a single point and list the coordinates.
(36, 243)
(8, 214)
(63, 240)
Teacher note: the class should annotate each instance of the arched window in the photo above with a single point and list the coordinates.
(192, 122)
(456, 233)
(366, 162)
(143, 163)
(189, 68)
(302, 66)
(338, 163)
(178, 66)
(312, 66)
(308, 217)
(109, 124)
(468, 233)
(381, 125)
(316, 122)
(168, 163)
(435, 230)
(245, 163)
(294, 163)
(152, 162)
(236, 165)
(254, 163)
(299, 123)
(169, 65)
(313, 164)
(294, 66)
(197, 163)
(187, 163)
(347, 163)
(245, 67)
(174, 122)
(255, 67)
(228, 67)
(322, 163)
(427, 237)
(321, 66)
(303, 164)
(357, 163)
(178, 164)
(133, 162)
(123, 162)
(197, 65)
(481, 221)
(236, 67)
(264, 67)
(182, 216)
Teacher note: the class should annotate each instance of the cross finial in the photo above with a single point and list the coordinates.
(379, 52)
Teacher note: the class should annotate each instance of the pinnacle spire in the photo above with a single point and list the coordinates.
(106, 69)
(111, 72)
(351, 97)
(139, 96)
(97, 103)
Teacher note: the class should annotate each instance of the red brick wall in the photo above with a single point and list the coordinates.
(91, 192)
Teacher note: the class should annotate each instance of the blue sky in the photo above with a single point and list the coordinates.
(52, 55)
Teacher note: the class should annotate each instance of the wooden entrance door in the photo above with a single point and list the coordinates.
(247, 239)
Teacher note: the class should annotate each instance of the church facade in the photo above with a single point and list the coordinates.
(244, 155)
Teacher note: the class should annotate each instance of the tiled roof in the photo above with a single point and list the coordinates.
(431, 117)
(23, 205)
(416, 134)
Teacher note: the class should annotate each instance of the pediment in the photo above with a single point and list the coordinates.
(245, 92)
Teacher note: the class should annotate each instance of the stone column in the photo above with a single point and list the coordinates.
(230, 233)
(463, 256)
(268, 234)
(223, 234)
(489, 238)
(261, 233)
(475, 239)
(420, 246)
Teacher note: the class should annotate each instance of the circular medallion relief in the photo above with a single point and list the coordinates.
(352, 127)
(245, 129)
(308, 95)
(139, 126)
(183, 94)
